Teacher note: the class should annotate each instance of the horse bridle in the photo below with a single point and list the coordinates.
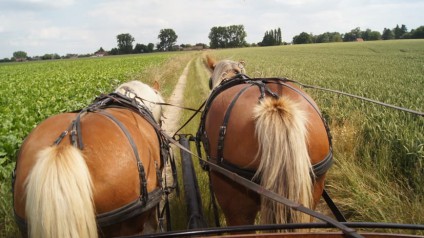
(318, 169)
(147, 200)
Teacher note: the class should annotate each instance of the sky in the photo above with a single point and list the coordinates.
(41, 27)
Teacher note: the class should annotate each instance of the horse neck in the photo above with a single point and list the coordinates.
(145, 95)
(153, 106)
(157, 112)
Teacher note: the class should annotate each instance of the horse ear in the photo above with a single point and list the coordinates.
(211, 62)
(156, 86)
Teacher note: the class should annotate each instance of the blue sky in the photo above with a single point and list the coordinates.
(77, 26)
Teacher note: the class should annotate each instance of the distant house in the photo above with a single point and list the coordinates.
(359, 40)
(197, 47)
(22, 59)
(100, 53)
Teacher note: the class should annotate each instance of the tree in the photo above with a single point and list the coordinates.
(404, 29)
(353, 34)
(227, 36)
(236, 36)
(125, 45)
(323, 38)
(369, 35)
(20, 55)
(114, 51)
(417, 33)
(140, 48)
(217, 37)
(374, 35)
(5, 60)
(272, 37)
(167, 39)
(302, 38)
(387, 34)
(334, 37)
(150, 47)
(279, 37)
(50, 56)
(399, 32)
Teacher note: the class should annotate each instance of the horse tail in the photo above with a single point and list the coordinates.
(284, 168)
(59, 197)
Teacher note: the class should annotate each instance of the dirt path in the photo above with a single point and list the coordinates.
(172, 115)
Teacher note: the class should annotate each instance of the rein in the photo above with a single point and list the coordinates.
(168, 104)
(242, 179)
(418, 113)
(267, 193)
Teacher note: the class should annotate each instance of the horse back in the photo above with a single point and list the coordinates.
(240, 144)
(107, 152)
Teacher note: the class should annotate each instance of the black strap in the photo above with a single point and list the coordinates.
(324, 165)
(132, 209)
(334, 209)
(223, 128)
(191, 118)
(318, 169)
(271, 195)
(147, 200)
(213, 202)
(141, 172)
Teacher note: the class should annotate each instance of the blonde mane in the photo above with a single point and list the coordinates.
(145, 95)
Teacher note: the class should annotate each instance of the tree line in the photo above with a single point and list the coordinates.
(356, 34)
(232, 36)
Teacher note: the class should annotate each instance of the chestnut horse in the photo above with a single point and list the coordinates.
(96, 168)
(267, 130)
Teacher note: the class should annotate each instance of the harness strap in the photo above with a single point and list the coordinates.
(223, 128)
(318, 169)
(141, 172)
(147, 200)
(132, 209)
(324, 165)
(349, 232)
(330, 203)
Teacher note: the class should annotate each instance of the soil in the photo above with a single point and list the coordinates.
(172, 114)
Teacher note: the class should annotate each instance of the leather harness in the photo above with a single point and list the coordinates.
(145, 201)
(318, 169)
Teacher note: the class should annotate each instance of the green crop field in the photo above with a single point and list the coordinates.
(379, 152)
(32, 91)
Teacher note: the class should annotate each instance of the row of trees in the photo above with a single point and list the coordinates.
(167, 38)
(231, 37)
(357, 34)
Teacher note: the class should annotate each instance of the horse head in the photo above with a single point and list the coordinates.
(223, 70)
(144, 94)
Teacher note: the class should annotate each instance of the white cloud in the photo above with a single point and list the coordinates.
(77, 26)
(47, 3)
